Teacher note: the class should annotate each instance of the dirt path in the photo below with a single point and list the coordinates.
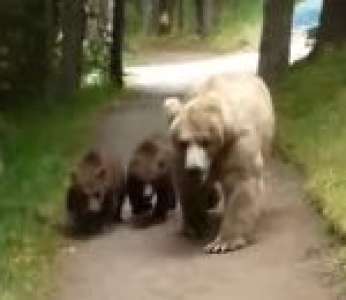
(158, 263)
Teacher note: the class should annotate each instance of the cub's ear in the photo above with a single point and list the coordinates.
(93, 157)
(101, 173)
(172, 106)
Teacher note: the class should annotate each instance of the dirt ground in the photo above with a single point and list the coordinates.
(287, 262)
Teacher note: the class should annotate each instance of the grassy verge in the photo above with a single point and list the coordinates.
(240, 26)
(311, 104)
(39, 141)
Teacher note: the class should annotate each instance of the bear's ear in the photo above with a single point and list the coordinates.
(101, 173)
(93, 157)
(172, 107)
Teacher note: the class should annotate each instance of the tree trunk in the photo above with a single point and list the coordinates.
(92, 33)
(104, 18)
(276, 38)
(146, 8)
(204, 13)
(332, 32)
(200, 18)
(155, 16)
(209, 6)
(72, 27)
(49, 58)
(180, 15)
(116, 67)
(165, 15)
(172, 4)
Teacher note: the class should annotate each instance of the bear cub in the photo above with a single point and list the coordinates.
(151, 165)
(96, 192)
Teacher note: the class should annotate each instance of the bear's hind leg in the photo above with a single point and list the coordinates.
(171, 197)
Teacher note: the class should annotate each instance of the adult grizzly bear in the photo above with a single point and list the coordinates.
(96, 192)
(151, 164)
(223, 134)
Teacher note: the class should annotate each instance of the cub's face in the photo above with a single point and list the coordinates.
(151, 166)
(90, 178)
(197, 133)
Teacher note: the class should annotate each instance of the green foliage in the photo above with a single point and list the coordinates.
(312, 131)
(239, 25)
(39, 141)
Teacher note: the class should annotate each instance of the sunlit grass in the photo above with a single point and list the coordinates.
(40, 140)
(311, 103)
(240, 26)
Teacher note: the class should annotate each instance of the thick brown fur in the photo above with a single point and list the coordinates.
(96, 192)
(151, 164)
(223, 134)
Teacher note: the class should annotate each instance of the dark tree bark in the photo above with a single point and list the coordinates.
(172, 13)
(276, 38)
(158, 16)
(164, 20)
(104, 17)
(201, 30)
(332, 32)
(180, 15)
(204, 16)
(146, 12)
(154, 16)
(48, 57)
(116, 67)
(73, 23)
(166, 16)
(28, 31)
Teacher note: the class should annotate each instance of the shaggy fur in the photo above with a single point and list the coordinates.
(151, 164)
(223, 134)
(96, 192)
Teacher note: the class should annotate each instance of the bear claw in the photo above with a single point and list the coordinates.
(220, 247)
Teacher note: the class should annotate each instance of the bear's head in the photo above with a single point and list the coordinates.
(91, 180)
(151, 161)
(197, 129)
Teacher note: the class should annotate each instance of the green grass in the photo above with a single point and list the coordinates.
(311, 106)
(239, 27)
(40, 140)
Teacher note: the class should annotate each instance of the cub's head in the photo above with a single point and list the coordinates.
(90, 178)
(151, 160)
(197, 131)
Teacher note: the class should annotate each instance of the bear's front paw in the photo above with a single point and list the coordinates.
(221, 246)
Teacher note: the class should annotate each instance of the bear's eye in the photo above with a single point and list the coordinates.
(182, 144)
(161, 165)
(204, 142)
(97, 195)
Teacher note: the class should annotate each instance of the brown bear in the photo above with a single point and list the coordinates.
(96, 193)
(223, 134)
(151, 164)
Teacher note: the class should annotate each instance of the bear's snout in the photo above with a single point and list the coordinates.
(95, 205)
(197, 162)
(194, 172)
